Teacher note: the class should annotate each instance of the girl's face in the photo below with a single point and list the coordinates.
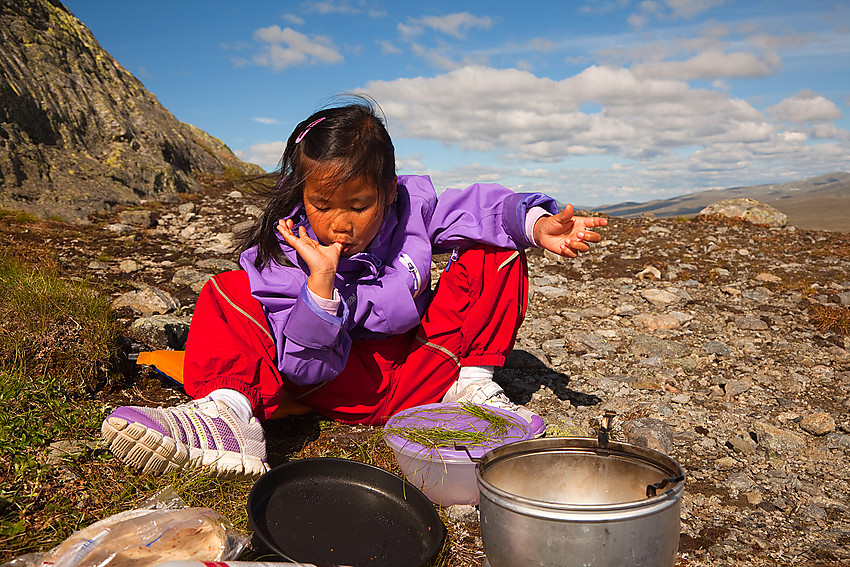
(349, 214)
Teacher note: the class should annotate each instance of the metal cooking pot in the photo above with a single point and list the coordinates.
(576, 501)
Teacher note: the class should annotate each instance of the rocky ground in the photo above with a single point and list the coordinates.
(720, 343)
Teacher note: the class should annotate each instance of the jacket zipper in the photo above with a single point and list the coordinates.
(411, 267)
(454, 257)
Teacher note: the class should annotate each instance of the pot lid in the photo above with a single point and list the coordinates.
(446, 428)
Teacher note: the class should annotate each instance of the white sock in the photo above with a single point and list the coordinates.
(474, 374)
(235, 400)
(469, 376)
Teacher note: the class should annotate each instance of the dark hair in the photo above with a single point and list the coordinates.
(354, 137)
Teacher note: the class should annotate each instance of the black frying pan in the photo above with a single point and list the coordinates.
(331, 511)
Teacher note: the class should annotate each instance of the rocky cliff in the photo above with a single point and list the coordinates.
(78, 132)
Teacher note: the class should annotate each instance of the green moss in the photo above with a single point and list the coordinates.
(17, 217)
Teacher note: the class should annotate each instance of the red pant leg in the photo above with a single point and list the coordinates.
(479, 306)
(230, 346)
(473, 319)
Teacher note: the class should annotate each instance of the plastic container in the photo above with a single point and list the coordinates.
(447, 474)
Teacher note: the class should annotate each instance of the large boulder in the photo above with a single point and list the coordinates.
(748, 210)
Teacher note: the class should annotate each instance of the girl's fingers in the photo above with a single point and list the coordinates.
(578, 246)
(567, 251)
(285, 227)
(565, 216)
(588, 236)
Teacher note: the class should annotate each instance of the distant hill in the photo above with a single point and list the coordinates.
(817, 203)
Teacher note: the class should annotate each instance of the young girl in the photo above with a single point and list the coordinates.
(333, 309)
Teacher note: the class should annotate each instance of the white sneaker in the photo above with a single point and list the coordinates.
(486, 392)
(201, 434)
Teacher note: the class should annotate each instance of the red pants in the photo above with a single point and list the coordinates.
(472, 320)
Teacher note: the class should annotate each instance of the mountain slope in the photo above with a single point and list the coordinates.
(821, 202)
(79, 133)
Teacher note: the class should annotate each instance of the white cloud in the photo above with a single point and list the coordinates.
(437, 52)
(435, 57)
(773, 42)
(331, 7)
(712, 37)
(542, 44)
(411, 164)
(534, 173)
(638, 21)
(388, 48)
(711, 65)
(408, 32)
(670, 10)
(827, 131)
(293, 19)
(263, 120)
(601, 8)
(793, 136)
(286, 47)
(267, 154)
(689, 9)
(806, 106)
(659, 133)
(456, 25)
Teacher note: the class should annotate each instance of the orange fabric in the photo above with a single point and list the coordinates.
(170, 363)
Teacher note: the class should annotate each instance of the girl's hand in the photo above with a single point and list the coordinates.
(565, 234)
(321, 260)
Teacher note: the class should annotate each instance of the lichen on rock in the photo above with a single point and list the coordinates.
(748, 210)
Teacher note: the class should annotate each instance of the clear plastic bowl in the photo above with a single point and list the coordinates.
(447, 474)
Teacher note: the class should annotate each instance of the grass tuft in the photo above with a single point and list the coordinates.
(17, 217)
(53, 327)
(829, 318)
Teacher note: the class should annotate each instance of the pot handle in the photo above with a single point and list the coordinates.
(605, 429)
(652, 489)
(463, 448)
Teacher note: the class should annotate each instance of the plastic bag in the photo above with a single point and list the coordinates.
(163, 529)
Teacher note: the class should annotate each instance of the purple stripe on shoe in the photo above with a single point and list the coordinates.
(228, 437)
(133, 415)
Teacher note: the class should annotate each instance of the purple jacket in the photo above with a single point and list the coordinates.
(385, 289)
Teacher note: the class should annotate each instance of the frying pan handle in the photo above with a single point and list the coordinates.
(652, 489)
(463, 448)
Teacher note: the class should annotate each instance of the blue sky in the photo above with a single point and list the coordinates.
(591, 102)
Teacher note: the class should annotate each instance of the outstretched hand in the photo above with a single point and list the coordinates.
(320, 259)
(567, 235)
